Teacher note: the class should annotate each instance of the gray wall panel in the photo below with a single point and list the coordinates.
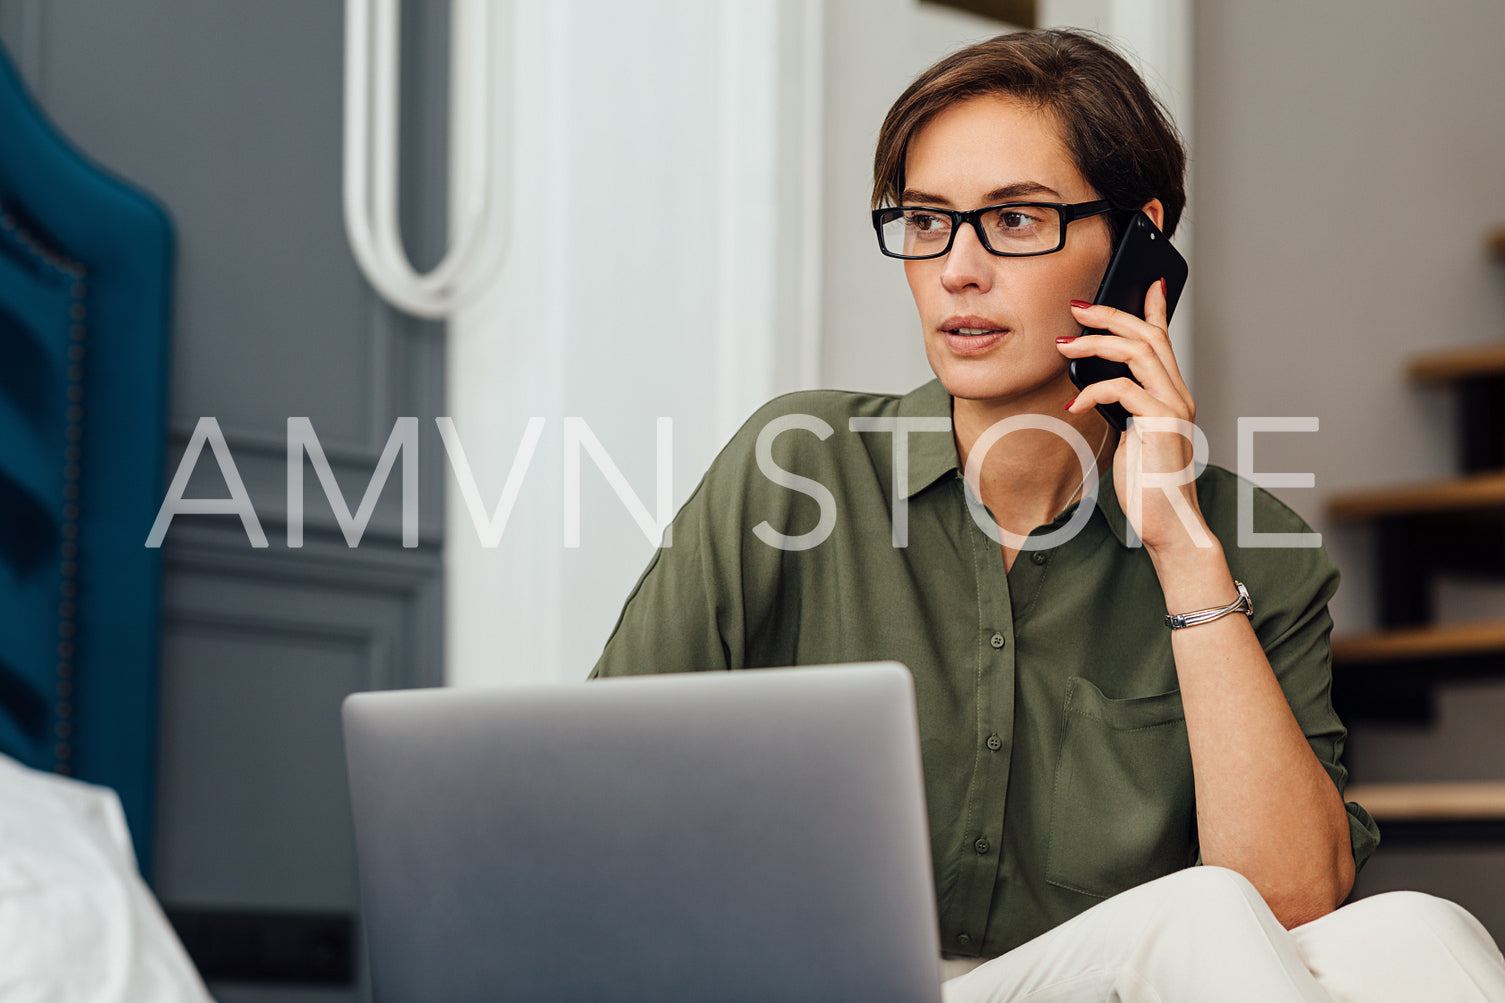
(259, 653)
(229, 111)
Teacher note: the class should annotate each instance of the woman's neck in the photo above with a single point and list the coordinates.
(1033, 472)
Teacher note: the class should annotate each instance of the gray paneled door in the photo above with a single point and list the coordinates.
(229, 111)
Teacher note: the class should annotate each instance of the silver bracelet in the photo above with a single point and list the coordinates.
(1176, 621)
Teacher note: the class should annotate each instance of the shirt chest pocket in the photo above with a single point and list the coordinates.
(1122, 807)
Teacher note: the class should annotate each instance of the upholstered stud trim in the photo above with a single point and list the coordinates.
(73, 272)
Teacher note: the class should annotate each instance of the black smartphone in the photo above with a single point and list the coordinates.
(1143, 257)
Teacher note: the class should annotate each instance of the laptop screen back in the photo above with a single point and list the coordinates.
(756, 835)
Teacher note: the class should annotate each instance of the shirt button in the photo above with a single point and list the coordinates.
(981, 846)
(963, 939)
(1039, 557)
(995, 743)
(996, 640)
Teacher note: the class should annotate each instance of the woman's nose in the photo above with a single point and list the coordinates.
(968, 263)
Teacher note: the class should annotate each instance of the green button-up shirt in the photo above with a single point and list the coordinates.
(1057, 768)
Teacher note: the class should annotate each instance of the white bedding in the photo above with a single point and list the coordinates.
(77, 923)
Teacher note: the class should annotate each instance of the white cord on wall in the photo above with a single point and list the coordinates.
(372, 85)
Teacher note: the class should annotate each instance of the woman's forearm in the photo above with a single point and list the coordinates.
(1266, 807)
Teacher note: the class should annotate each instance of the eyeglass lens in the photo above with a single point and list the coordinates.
(1009, 230)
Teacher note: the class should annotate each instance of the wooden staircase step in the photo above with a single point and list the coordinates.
(1430, 642)
(1431, 801)
(1392, 675)
(1422, 528)
(1457, 364)
(1479, 491)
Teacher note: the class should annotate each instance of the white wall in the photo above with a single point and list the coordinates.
(646, 146)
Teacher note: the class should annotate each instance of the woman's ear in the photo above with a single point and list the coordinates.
(1156, 212)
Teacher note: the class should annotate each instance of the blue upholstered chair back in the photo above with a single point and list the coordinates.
(85, 280)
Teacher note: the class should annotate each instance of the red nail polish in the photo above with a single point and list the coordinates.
(1080, 304)
(1163, 291)
(1066, 339)
(1069, 403)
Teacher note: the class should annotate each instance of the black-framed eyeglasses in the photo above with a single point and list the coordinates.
(1011, 229)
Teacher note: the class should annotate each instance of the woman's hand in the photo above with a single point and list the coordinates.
(1159, 452)
(1265, 804)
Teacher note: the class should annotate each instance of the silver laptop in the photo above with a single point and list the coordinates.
(752, 836)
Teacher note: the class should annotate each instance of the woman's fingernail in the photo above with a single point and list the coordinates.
(1162, 288)
(1069, 403)
(1066, 339)
(1080, 304)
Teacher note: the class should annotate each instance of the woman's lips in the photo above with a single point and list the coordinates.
(972, 344)
(971, 333)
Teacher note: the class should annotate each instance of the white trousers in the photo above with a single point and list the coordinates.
(1205, 934)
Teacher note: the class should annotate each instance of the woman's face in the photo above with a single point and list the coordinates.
(978, 152)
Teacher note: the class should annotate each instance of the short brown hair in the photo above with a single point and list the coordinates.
(1119, 134)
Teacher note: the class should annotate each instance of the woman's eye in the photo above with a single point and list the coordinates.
(926, 224)
(1015, 220)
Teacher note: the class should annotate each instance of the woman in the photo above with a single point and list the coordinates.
(1079, 754)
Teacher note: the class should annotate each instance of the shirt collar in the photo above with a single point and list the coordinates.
(933, 456)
